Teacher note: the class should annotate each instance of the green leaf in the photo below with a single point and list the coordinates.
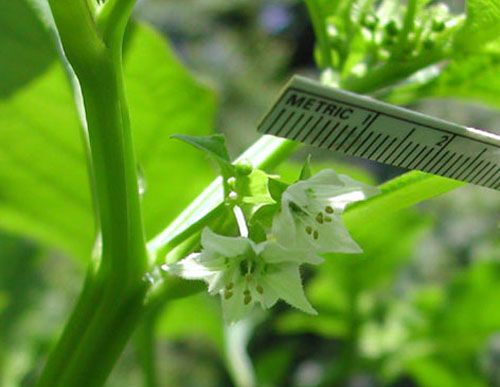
(305, 172)
(25, 50)
(402, 192)
(481, 26)
(276, 189)
(472, 77)
(44, 192)
(254, 188)
(214, 145)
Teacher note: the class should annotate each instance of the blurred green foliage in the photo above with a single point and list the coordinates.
(419, 307)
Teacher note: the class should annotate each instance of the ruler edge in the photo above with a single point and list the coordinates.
(479, 135)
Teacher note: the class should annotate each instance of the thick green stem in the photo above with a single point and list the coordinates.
(320, 31)
(112, 301)
(146, 351)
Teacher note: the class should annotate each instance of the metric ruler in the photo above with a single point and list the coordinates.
(329, 118)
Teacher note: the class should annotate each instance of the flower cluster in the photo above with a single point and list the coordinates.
(306, 223)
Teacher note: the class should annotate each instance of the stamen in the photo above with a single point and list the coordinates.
(329, 210)
(315, 234)
(327, 219)
(247, 299)
(228, 294)
(309, 230)
(259, 289)
(248, 277)
(229, 286)
(319, 218)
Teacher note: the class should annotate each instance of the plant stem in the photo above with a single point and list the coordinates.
(112, 300)
(319, 26)
(145, 349)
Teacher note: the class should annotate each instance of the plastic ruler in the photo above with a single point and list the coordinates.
(328, 118)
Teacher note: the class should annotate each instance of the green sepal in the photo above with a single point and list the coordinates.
(305, 172)
(257, 232)
(263, 217)
(276, 189)
(253, 188)
(215, 146)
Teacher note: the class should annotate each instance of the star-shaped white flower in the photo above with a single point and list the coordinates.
(310, 213)
(245, 273)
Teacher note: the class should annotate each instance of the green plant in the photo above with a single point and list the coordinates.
(397, 52)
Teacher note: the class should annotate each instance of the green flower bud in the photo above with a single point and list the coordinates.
(438, 25)
(243, 168)
(428, 44)
(370, 22)
(391, 28)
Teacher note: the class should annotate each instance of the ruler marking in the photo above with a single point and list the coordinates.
(330, 132)
(417, 166)
(328, 136)
(371, 144)
(443, 147)
(318, 135)
(362, 127)
(301, 128)
(445, 164)
(379, 146)
(448, 171)
(391, 116)
(471, 171)
(386, 148)
(402, 142)
(469, 167)
(410, 164)
(277, 117)
(395, 161)
(292, 113)
(363, 142)
(407, 157)
(292, 127)
(438, 161)
(312, 128)
(486, 175)
(362, 131)
(480, 173)
(348, 135)
(338, 135)
(490, 180)
(459, 169)
(498, 184)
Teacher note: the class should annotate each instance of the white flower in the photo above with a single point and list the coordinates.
(310, 213)
(245, 273)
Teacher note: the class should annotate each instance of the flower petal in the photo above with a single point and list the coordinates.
(234, 307)
(274, 252)
(333, 237)
(223, 245)
(189, 268)
(285, 281)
